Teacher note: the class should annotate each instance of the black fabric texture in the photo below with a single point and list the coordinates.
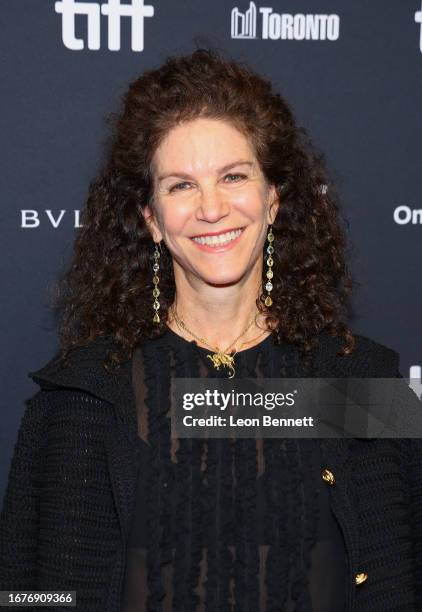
(70, 500)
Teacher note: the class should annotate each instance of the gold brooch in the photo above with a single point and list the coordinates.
(223, 359)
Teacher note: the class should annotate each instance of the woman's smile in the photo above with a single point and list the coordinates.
(217, 243)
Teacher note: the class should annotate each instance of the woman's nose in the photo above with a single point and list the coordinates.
(212, 206)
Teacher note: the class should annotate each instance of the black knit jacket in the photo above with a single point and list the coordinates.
(70, 495)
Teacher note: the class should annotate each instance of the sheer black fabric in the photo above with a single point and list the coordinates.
(227, 524)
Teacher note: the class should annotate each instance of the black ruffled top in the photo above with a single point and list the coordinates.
(222, 524)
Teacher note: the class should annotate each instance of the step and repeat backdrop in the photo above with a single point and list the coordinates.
(351, 71)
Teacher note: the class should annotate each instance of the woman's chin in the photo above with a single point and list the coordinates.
(221, 280)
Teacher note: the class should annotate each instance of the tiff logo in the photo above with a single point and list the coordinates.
(283, 26)
(418, 19)
(415, 381)
(114, 11)
(244, 25)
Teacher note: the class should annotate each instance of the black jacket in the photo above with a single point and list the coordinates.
(70, 496)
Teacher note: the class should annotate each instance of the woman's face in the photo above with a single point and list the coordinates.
(212, 204)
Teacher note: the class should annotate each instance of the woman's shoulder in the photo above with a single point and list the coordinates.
(368, 358)
(82, 370)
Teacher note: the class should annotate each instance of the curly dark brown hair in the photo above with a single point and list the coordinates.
(107, 289)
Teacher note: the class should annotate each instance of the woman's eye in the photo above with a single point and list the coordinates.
(177, 186)
(180, 186)
(242, 176)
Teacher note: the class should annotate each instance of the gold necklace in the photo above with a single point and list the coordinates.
(218, 358)
(256, 337)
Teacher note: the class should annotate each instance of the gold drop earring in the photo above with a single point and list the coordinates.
(270, 263)
(156, 280)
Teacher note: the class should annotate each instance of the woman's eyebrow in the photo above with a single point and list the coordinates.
(240, 162)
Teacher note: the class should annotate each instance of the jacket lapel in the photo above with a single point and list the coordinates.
(122, 447)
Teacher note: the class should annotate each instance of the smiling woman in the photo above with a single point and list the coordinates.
(204, 147)
(211, 247)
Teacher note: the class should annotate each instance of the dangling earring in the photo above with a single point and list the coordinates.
(270, 263)
(155, 280)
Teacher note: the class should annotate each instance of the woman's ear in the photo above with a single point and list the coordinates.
(273, 204)
(151, 223)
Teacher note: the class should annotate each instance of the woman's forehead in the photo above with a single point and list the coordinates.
(201, 144)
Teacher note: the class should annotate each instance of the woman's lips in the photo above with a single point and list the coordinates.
(218, 248)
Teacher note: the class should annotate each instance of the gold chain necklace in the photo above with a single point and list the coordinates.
(218, 358)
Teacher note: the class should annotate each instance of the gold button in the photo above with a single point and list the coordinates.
(361, 577)
(328, 476)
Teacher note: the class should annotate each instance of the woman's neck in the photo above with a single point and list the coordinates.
(219, 317)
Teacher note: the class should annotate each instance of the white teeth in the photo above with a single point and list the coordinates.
(218, 240)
